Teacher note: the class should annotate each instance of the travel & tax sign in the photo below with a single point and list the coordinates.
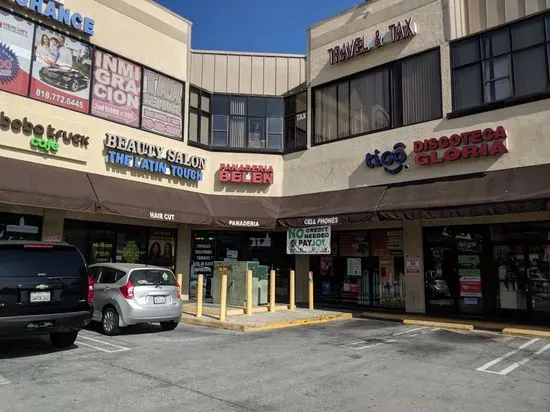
(308, 241)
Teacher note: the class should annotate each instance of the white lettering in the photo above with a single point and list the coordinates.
(244, 223)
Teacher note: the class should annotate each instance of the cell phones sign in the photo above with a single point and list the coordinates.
(162, 104)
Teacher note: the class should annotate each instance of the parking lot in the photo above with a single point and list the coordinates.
(355, 365)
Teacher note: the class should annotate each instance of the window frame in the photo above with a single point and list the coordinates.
(200, 113)
(246, 149)
(291, 119)
(514, 99)
(396, 122)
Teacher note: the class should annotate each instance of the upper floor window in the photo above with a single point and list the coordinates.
(502, 64)
(400, 93)
(199, 116)
(296, 121)
(247, 122)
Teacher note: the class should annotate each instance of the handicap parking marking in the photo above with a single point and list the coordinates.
(513, 366)
(100, 345)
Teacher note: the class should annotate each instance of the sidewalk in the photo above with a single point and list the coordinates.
(263, 321)
(422, 320)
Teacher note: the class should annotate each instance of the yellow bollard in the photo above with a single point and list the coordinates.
(292, 291)
(272, 291)
(200, 281)
(223, 297)
(180, 283)
(310, 285)
(249, 292)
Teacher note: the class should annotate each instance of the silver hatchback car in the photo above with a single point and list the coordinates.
(128, 294)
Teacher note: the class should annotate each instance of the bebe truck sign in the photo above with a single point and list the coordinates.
(308, 241)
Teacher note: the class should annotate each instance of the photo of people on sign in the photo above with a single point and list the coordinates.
(61, 70)
(162, 104)
(161, 249)
(16, 37)
(116, 92)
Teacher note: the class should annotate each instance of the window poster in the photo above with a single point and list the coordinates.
(161, 248)
(116, 91)
(61, 70)
(20, 227)
(16, 36)
(354, 244)
(162, 104)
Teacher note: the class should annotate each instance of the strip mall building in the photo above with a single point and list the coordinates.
(414, 129)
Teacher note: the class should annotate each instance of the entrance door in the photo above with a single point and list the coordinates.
(524, 277)
(538, 278)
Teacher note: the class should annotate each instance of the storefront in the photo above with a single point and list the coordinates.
(266, 247)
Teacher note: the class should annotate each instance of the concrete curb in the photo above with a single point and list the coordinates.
(443, 325)
(526, 332)
(228, 325)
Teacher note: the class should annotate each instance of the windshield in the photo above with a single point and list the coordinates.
(153, 277)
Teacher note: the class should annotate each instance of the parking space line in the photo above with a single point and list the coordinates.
(3, 381)
(103, 342)
(410, 331)
(505, 356)
(543, 349)
(102, 349)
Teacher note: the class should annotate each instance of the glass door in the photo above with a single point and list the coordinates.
(538, 278)
(512, 285)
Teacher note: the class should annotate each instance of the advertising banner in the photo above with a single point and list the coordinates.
(412, 264)
(470, 285)
(16, 36)
(61, 70)
(116, 90)
(308, 241)
(162, 104)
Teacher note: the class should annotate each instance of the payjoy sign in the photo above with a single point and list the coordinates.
(360, 45)
(55, 10)
(466, 145)
(253, 174)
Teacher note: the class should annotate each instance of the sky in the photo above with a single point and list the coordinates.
(272, 26)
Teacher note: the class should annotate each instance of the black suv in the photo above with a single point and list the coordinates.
(45, 288)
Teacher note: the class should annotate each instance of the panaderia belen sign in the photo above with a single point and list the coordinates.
(360, 45)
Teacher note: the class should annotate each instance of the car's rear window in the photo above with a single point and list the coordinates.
(150, 277)
(20, 261)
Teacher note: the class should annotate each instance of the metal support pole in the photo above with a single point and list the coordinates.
(223, 297)
(249, 292)
(200, 281)
(272, 291)
(292, 291)
(310, 286)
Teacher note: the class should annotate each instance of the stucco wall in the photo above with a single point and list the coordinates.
(472, 16)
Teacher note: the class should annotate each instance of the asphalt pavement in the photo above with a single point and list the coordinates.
(356, 365)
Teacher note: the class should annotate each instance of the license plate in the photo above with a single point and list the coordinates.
(40, 297)
(159, 299)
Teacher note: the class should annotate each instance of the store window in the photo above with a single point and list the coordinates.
(14, 226)
(268, 248)
(199, 116)
(238, 122)
(501, 65)
(296, 121)
(366, 268)
(105, 243)
(398, 94)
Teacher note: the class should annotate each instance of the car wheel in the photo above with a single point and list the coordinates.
(109, 322)
(168, 325)
(74, 86)
(63, 339)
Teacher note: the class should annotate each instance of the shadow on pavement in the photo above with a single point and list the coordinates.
(24, 348)
(142, 329)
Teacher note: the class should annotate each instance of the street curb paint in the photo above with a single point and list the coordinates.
(526, 332)
(217, 324)
(443, 325)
